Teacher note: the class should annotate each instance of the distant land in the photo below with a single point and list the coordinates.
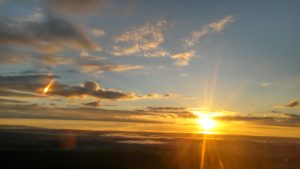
(44, 148)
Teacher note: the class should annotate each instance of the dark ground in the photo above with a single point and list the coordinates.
(41, 148)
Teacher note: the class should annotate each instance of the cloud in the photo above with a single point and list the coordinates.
(13, 93)
(216, 26)
(151, 142)
(90, 88)
(159, 96)
(264, 84)
(171, 112)
(11, 101)
(75, 7)
(48, 34)
(182, 59)
(99, 68)
(93, 104)
(36, 84)
(275, 119)
(28, 83)
(184, 75)
(164, 109)
(55, 60)
(144, 40)
(37, 111)
(98, 32)
(9, 56)
(78, 7)
(13, 56)
(292, 104)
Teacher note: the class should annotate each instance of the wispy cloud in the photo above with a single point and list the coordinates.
(292, 104)
(264, 84)
(183, 59)
(100, 68)
(97, 32)
(144, 40)
(216, 26)
(93, 104)
(141, 142)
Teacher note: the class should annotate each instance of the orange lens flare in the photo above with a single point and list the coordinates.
(48, 87)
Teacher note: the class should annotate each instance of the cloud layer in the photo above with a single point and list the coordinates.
(49, 33)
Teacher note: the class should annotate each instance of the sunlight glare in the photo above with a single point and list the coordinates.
(47, 88)
(206, 122)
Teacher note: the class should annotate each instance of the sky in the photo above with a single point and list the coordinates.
(151, 65)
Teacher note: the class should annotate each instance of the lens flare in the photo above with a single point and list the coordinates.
(48, 87)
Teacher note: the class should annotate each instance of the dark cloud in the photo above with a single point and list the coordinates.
(93, 104)
(49, 33)
(36, 83)
(292, 104)
(30, 83)
(276, 119)
(10, 56)
(90, 88)
(35, 111)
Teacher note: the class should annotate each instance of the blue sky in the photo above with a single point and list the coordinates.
(237, 56)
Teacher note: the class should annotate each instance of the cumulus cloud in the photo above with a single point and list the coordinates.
(144, 40)
(182, 59)
(216, 26)
(89, 88)
(48, 34)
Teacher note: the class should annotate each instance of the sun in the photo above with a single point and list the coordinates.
(207, 123)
